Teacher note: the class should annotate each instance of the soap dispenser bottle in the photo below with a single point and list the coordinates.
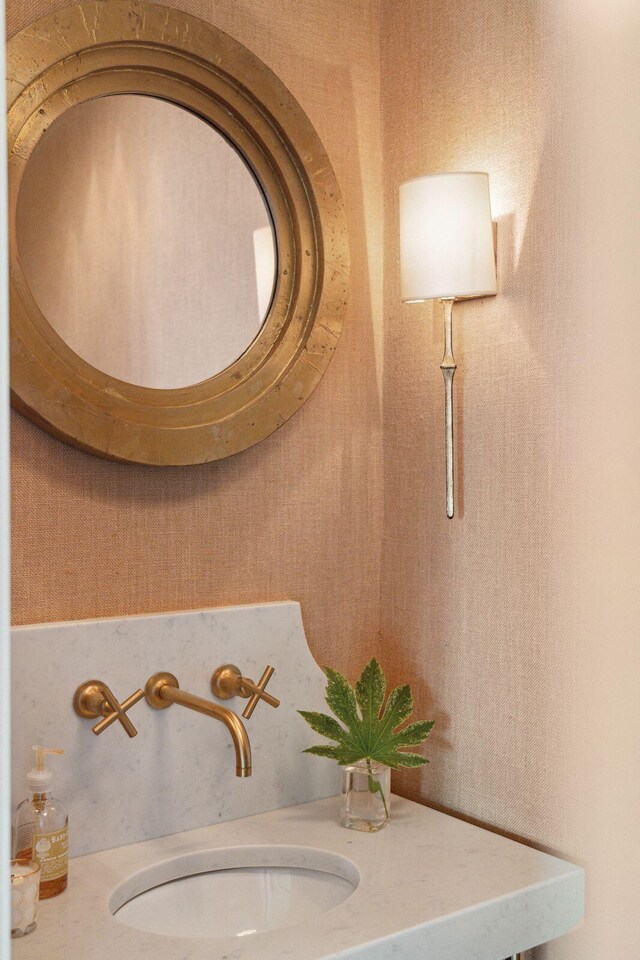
(41, 828)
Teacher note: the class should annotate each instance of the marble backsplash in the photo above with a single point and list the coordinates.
(179, 772)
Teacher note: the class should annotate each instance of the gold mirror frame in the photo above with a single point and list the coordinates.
(107, 47)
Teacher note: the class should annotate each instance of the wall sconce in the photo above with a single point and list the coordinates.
(446, 254)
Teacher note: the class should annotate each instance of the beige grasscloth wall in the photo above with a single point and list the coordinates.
(299, 515)
(520, 619)
(517, 622)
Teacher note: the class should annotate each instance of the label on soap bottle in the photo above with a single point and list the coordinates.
(51, 851)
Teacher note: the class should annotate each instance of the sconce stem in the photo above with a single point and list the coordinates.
(448, 367)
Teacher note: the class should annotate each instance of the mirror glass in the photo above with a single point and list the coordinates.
(146, 241)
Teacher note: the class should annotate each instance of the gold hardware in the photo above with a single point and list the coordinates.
(448, 367)
(95, 699)
(163, 689)
(228, 682)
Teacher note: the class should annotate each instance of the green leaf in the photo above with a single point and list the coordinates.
(371, 732)
(398, 759)
(342, 754)
(323, 724)
(341, 698)
(412, 735)
(370, 690)
(324, 751)
(399, 708)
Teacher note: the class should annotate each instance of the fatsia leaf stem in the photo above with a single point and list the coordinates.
(376, 787)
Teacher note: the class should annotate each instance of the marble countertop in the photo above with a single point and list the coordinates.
(430, 886)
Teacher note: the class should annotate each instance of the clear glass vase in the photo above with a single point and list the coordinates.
(366, 795)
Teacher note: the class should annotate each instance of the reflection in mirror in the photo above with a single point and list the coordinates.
(146, 241)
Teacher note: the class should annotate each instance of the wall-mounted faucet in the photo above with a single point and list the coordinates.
(163, 689)
(94, 699)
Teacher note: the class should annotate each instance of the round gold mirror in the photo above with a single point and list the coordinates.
(179, 257)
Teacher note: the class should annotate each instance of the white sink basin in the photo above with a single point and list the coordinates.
(234, 892)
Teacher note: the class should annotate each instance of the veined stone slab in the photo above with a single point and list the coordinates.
(179, 772)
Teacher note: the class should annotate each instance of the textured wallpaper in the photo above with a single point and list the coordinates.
(519, 620)
(298, 516)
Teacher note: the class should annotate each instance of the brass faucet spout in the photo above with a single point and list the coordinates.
(162, 690)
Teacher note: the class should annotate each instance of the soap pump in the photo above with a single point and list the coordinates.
(41, 827)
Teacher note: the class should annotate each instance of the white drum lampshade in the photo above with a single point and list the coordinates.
(446, 237)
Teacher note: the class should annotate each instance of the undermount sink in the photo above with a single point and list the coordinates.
(234, 892)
